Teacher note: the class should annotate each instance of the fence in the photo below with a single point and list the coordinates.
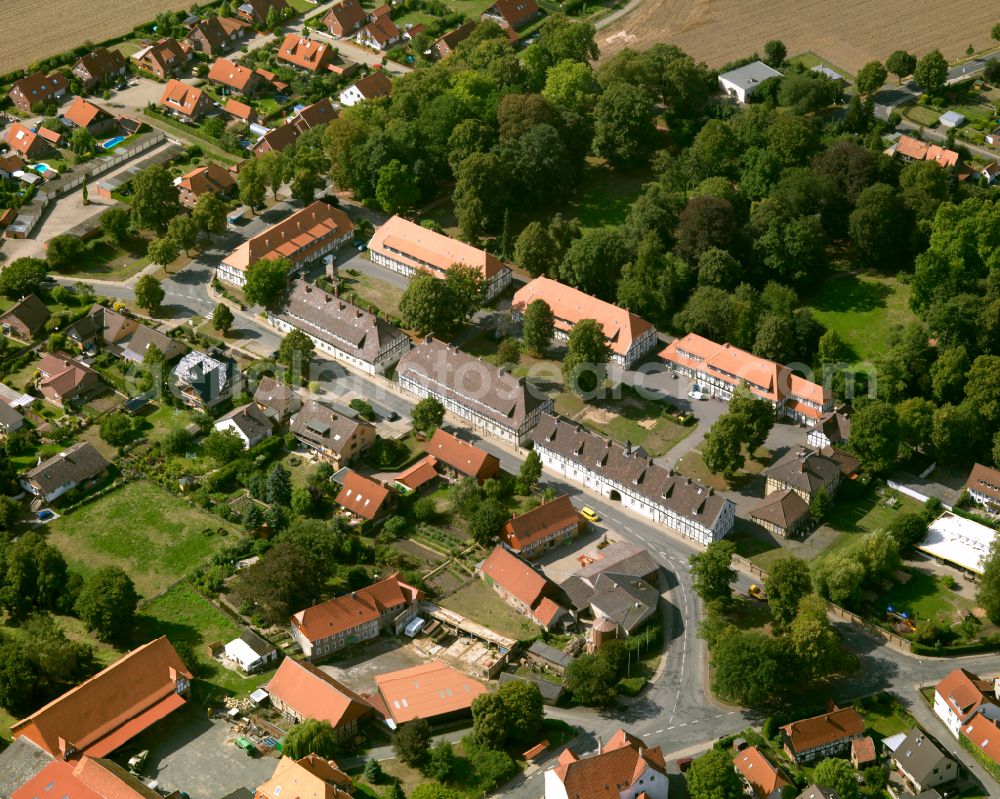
(899, 642)
(910, 492)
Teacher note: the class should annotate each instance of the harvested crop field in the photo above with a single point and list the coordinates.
(48, 27)
(848, 33)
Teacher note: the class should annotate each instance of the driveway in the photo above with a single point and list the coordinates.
(358, 670)
(188, 752)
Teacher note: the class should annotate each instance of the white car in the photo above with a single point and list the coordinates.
(697, 395)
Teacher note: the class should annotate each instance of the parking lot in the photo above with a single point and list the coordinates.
(358, 670)
(192, 753)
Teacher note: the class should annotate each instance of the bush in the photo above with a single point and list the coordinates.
(631, 686)
(425, 509)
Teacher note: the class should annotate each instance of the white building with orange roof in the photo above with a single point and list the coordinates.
(719, 368)
(433, 691)
(522, 587)
(304, 237)
(406, 247)
(309, 777)
(629, 336)
(960, 695)
(623, 768)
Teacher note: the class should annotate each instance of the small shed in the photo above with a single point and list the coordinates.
(250, 652)
(832, 74)
(951, 119)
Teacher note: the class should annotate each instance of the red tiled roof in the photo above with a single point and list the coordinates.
(304, 52)
(984, 734)
(621, 763)
(807, 734)
(515, 576)
(50, 135)
(82, 112)
(375, 85)
(20, 138)
(426, 691)
(462, 456)
(435, 249)
(86, 716)
(863, 750)
(348, 611)
(759, 772)
(229, 73)
(181, 97)
(361, 495)
(541, 522)
(423, 471)
(312, 693)
(984, 480)
(239, 110)
(964, 692)
(309, 777)
(209, 179)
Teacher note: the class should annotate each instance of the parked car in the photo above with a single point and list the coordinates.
(590, 514)
(247, 746)
(697, 395)
(757, 592)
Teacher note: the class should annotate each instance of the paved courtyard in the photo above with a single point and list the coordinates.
(192, 753)
(358, 670)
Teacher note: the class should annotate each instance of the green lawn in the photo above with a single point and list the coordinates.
(884, 716)
(604, 195)
(153, 535)
(109, 261)
(925, 597)
(480, 603)
(863, 310)
(163, 420)
(809, 60)
(927, 117)
(186, 617)
(371, 292)
(864, 515)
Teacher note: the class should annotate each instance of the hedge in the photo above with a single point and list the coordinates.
(956, 649)
(978, 754)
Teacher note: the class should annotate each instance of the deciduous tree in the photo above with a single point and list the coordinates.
(155, 199)
(266, 280)
(584, 366)
(931, 72)
(429, 305)
(712, 572)
(591, 681)
(722, 450)
(295, 353)
(222, 318)
(871, 77)
(427, 415)
(624, 131)
(786, 583)
(775, 53)
(149, 293)
(538, 326)
(901, 64)
(712, 776)
(107, 604)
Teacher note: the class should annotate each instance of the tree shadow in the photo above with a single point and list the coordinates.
(851, 293)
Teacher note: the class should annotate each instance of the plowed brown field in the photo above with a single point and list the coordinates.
(846, 32)
(34, 29)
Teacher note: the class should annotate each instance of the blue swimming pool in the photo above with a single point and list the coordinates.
(110, 144)
(43, 168)
(44, 515)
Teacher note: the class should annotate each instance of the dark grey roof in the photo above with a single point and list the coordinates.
(577, 591)
(9, 417)
(631, 470)
(550, 653)
(816, 792)
(919, 756)
(256, 643)
(19, 762)
(628, 601)
(750, 75)
(783, 508)
(340, 324)
(930, 793)
(73, 465)
(31, 312)
(277, 397)
(145, 337)
(86, 328)
(835, 425)
(208, 375)
(803, 469)
(621, 557)
(471, 382)
(250, 420)
(321, 425)
(550, 691)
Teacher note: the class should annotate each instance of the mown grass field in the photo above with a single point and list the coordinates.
(151, 534)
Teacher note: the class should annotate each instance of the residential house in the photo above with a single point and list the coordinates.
(991, 172)
(983, 486)
(377, 84)
(85, 114)
(338, 328)
(315, 115)
(381, 32)
(187, 102)
(236, 77)
(511, 15)
(782, 512)
(386, 606)
(277, 400)
(333, 436)
(983, 733)
(460, 458)
(831, 428)
(819, 737)
(10, 419)
(208, 179)
(445, 46)
(304, 237)
(629, 336)
(203, 381)
(960, 695)
(254, 12)
(215, 35)
(487, 396)
(64, 380)
(305, 53)
(106, 711)
(910, 149)
(37, 90)
(52, 137)
(26, 318)
(248, 422)
(250, 652)
(803, 471)
(719, 368)
(25, 142)
(363, 498)
(240, 111)
(742, 82)
(863, 753)
(345, 18)
(76, 465)
(90, 777)
(9, 164)
(165, 58)
(759, 774)
(817, 792)
(406, 247)
(101, 326)
(100, 66)
(135, 348)
(526, 590)
(422, 473)
(922, 764)
(432, 691)
(623, 768)
(544, 527)
(627, 474)
(309, 777)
